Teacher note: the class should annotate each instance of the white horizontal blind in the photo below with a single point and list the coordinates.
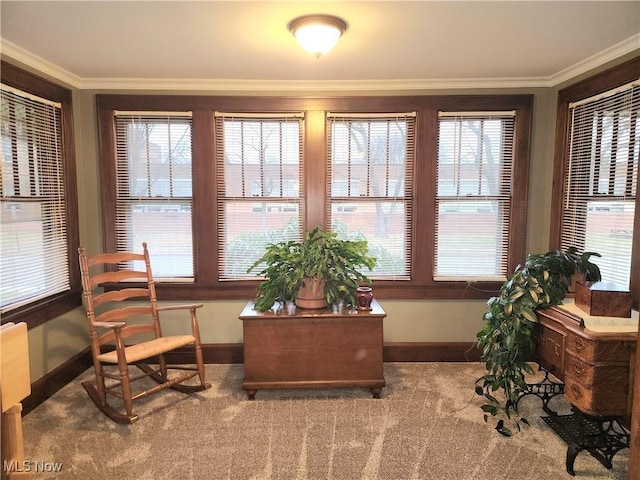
(260, 194)
(602, 179)
(154, 189)
(474, 189)
(33, 219)
(370, 191)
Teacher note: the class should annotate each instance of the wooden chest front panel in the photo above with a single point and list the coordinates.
(313, 349)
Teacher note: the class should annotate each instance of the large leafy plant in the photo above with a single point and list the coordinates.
(507, 340)
(287, 265)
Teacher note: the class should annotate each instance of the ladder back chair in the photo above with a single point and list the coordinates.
(109, 282)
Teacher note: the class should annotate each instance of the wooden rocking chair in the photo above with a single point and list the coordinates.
(118, 323)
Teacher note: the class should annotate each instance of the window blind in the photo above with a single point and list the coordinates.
(473, 201)
(33, 219)
(601, 179)
(370, 190)
(154, 189)
(260, 192)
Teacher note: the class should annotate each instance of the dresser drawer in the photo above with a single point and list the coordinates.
(600, 351)
(596, 376)
(607, 398)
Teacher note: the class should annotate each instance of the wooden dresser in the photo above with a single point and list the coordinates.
(313, 348)
(597, 367)
(595, 358)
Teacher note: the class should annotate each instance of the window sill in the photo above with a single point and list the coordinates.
(40, 312)
(386, 290)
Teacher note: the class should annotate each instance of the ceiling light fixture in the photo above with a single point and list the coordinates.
(317, 34)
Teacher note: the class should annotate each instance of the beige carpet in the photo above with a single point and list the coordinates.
(427, 425)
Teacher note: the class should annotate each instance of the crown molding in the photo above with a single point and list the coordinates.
(229, 86)
(629, 45)
(45, 67)
(278, 86)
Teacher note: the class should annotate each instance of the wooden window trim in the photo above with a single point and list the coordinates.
(41, 311)
(601, 82)
(422, 286)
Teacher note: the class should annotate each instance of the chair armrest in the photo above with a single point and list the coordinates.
(195, 328)
(191, 306)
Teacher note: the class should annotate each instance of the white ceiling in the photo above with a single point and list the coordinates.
(238, 45)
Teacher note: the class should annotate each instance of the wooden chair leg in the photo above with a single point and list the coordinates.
(125, 384)
(162, 364)
(200, 364)
(99, 385)
(105, 408)
(198, 349)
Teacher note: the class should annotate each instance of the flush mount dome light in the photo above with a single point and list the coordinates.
(317, 34)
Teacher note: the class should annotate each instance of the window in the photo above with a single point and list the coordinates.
(260, 194)
(601, 179)
(153, 191)
(596, 172)
(473, 202)
(38, 203)
(370, 189)
(269, 169)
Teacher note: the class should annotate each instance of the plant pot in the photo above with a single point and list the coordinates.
(311, 294)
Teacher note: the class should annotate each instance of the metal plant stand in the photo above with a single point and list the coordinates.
(546, 389)
(602, 437)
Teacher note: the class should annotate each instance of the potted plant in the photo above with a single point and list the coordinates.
(322, 267)
(507, 340)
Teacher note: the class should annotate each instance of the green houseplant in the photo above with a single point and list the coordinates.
(321, 257)
(507, 340)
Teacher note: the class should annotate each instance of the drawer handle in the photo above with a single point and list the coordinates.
(578, 367)
(576, 390)
(579, 344)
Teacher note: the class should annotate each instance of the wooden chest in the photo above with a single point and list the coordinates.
(601, 299)
(313, 348)
(597, 368)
